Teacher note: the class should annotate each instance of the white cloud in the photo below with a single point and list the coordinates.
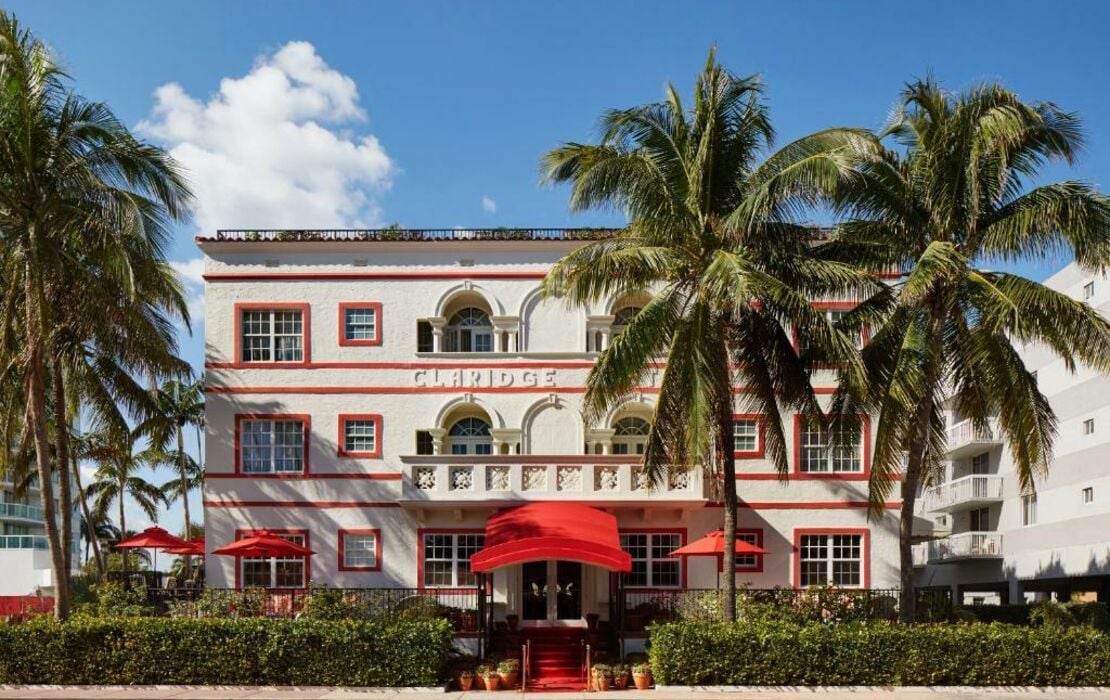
(488, 204)
(191, 274)
(277, 147)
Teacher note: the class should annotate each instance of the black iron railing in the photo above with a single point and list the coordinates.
(422, 234)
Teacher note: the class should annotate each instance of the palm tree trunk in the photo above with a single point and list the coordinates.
(37, 417)
(122, 522)
(727, 470)
(61, 458)
(90, 527)
(184, 485)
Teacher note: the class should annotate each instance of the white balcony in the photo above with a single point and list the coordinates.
(460, 480)
(964, 493)
(963, 546)
(964, 440)
(920, 555)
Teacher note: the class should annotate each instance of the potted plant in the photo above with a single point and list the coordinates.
(490, 677)
(513, 620)
(603, 675)
(465, 679)
(509, 672)
(480, 674)
(641, 675)
(620, 676)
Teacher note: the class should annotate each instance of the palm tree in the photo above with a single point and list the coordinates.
(117, 475)
(179, 405)
(83, 206)
(178, 488)
(95, 532)
(714, 233)
(949, 198)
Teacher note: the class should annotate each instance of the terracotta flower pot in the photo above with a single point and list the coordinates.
(479, 682)
(465, 682)
(642, 680)
(509, 680)
(620, 681)
(601, 683)
(493, 682)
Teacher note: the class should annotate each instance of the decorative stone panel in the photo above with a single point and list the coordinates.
(535, 478)
(569, 478)
(462, 478)
(497, 478)
(425, 478)
(606, 478)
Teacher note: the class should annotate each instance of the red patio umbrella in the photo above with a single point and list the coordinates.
(713, 545)
(192, 548)
(264, 545)
(151, 538)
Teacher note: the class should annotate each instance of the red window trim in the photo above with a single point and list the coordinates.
(306, 319)
(250, 532)
(761, 449)
(865, 544)
(342, 439)
(376, 307)
(377, 533)
(303, 417)
(682, 568)
(865, 439)
(758, 567)
(420, 532)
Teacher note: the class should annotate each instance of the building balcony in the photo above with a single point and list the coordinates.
(960, 547)
(19, 511)
(23, 542)
(964, 493)
(460, 480)
(964, 440)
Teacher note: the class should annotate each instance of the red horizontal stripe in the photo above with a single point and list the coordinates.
(774, 476)
(804, 505)
(474, 275)
(377, 476)
(299, 504)
(407, 365)
(754, 505)
(434, 390)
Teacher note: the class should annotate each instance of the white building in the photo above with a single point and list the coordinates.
(24, 554)
(379, 399)
(1006, 546)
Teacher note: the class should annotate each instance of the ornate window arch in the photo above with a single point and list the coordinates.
(469, 436)
(469, 330)
(630, 435)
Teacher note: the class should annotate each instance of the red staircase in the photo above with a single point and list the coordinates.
(556, 658)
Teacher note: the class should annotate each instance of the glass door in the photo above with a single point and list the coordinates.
(568, 582)
(534, 591)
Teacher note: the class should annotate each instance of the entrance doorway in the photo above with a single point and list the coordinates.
(551, 592)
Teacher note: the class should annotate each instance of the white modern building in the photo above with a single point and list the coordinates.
(1004, 545)
(380, 396)
(24, 554)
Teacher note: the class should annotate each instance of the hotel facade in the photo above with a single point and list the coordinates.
(385, 397)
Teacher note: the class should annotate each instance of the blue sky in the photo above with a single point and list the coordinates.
(435, 114)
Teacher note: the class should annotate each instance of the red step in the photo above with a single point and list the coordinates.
(556, 658)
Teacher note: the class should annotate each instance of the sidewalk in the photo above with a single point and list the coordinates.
(181, 692)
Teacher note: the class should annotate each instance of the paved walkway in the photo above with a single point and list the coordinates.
(168, 692)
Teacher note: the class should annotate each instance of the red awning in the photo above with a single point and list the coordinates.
(541, 531)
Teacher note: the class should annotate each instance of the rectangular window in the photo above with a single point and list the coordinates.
(446, 559)
(1088, 291)
(1089, 494)
(272, 335)
(1029, 510)
(274, 445)
(652, 567)
(980, 464)
(980, 520)
(425, 338)
(360, 323)
(750, 562)
(1089, 426)
(425, 445)
(360, 550)
(747, 436)
(831, 559)
(275, 572)
(360, 435)
(817, 457)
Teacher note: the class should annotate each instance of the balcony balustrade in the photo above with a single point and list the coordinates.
(22, 542)
(964, 439)
(963, 546)
(447, 479)
(20, 511)
(964, 493)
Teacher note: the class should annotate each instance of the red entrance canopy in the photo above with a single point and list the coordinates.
(542, 531)
(263, 546)
(151, 538)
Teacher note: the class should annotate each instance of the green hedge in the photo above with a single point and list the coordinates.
(700, 653)
(1046, 612)
(225, 652)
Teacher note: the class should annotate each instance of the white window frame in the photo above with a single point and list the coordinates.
(1029, 509)
(832, 544)
(747, 562)
(362, 551)
(983, 459)
(978, 515)
(817, 458)
(275, 562)
(627, 443)
(361, 325)
(471, 443)
(1089, 291)
(371, 436)
(750, 431)
(276, 462)
(1088, 495)
(264, 324)
(465, 335)
(461, 543)
(656, 553)
(1089, 426)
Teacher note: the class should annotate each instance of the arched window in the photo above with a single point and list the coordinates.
(469, 436)
(469, 330)
(630, 436)
(623, 317)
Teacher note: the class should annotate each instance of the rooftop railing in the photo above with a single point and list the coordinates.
(418, 234)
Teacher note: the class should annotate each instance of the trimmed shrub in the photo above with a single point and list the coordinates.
(700, 653)
(139, 651)
(1043, 613)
